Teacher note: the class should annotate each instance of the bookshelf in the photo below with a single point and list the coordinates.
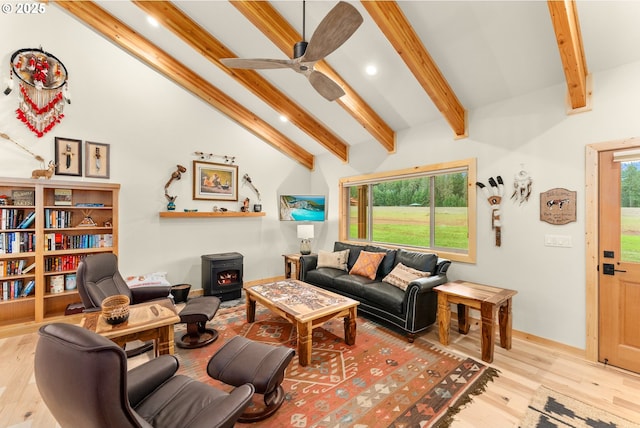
(70, 220)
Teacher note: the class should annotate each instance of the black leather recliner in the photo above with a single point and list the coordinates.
(98, 278)
(83, 379)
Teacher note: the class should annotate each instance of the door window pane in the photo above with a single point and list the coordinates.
(630, 211)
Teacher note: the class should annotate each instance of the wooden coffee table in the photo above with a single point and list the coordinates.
(490, 301)
(306, 307)
(151, 320)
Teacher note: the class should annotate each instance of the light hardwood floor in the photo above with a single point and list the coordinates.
(529, 364)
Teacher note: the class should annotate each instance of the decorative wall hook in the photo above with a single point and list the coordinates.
(494, 197)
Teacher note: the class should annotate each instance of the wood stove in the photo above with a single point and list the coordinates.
(222, 275)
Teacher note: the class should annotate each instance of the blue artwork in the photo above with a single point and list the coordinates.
(302, 207)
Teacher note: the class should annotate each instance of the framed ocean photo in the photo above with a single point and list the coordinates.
(303, 207)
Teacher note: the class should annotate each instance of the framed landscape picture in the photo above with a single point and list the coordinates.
(214, 181)
(68, 156)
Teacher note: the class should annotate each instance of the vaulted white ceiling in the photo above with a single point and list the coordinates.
(487, 51)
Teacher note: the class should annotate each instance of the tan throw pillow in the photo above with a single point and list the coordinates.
(336, 260)
(367, 264)
(402, 275)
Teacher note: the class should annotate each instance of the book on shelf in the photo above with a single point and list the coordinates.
(28, 288)
(23, 197)
(56, 284)
(28, 219)
(62, 197)
(89, 204)
(29, 268)
(11, 289)
(70, 281)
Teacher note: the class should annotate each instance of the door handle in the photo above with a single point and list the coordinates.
(610, 269)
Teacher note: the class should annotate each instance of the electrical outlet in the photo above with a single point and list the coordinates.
(558, 241)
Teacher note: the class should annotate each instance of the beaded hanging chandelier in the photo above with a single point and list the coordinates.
(42, 80)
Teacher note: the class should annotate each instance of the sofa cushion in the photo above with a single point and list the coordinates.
(402, 275)
(352, 285)
(385, 296)
(323, 277)
(387, 263)
(336, 260)
(354, 252)
(367, 264)
(425, 262)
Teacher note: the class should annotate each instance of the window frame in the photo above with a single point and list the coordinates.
(419, 171)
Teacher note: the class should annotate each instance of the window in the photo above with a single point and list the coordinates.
(430, 207)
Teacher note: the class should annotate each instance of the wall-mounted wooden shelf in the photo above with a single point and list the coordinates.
(179, 214)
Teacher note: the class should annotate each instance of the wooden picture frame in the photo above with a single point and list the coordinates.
(68, 156)
(215, 181)
(97, 160)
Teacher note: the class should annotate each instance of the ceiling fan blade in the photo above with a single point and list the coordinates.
(339, 24)
(256, 63)
(325, 86)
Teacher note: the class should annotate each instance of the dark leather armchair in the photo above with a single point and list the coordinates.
(83, 379)
(98, 277)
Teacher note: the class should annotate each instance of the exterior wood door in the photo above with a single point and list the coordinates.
(619, 262)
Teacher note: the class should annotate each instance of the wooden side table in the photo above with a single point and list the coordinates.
(490, 301)
(292, 264)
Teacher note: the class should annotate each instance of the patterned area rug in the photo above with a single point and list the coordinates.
(549, 409)
(381, 381)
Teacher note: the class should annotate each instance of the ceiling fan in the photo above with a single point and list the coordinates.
(339, 24)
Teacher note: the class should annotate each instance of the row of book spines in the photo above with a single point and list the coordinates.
(59, 241)
(62, 263)
(17, 242)
(14, 218)
(57, 218)
(15, 267)
(14, 289)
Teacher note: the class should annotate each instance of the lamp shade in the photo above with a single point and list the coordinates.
(305, 231)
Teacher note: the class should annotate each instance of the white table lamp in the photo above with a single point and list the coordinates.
(305, 233)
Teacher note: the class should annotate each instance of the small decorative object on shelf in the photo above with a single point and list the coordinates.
(245, 205)
(87, 221)
(46, 173)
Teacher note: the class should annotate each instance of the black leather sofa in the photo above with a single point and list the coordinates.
(413, 310)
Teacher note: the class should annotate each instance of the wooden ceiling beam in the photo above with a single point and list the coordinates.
(564, 17)
(267, 19)
(178, 22)
(127, 39)
(398, 30)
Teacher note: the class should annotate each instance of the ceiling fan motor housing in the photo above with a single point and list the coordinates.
(299, 49)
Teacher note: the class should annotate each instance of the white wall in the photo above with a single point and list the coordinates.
(535, 133)
(151, 125)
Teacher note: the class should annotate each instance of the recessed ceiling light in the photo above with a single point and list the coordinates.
(371, 70)
(284, 118)
(151, 20)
